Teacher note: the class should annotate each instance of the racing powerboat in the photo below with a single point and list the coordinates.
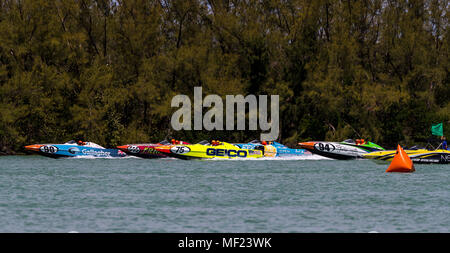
(206, 150)
(274, 149)
(345, 150)
(146, 150)
(421, 156)
(73, 149)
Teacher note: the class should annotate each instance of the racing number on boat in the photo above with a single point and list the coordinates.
(179, 149)
(133, 149)
(48, 149)
(324, 147)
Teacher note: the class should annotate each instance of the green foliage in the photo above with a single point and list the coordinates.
(107, 70)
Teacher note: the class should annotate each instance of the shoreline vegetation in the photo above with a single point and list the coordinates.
(106, 71)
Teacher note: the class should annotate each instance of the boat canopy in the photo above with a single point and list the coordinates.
(164, 142)
(87, 144)
(351, 141)
(93, 145)
(204, 142)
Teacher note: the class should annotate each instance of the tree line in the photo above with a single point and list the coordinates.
(106, 70)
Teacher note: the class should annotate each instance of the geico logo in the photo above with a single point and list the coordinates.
(226, 152)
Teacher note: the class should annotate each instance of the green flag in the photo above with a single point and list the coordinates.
(437, 129)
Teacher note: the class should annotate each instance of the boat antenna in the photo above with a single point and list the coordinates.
(354, 130)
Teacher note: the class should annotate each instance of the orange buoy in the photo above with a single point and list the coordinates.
(401, 162)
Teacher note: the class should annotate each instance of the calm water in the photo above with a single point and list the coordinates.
(39, 194)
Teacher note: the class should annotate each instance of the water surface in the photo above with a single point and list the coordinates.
(39, 194)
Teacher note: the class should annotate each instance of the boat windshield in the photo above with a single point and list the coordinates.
(255, 142)
(350, 141)
(71, 142)
(164, 142)
(204, 142)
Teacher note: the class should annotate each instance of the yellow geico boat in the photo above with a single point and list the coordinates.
(440, 156)
(204, 150)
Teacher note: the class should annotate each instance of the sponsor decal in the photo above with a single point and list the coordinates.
(226, 152)
(149, 150)
(247, 146)
(254, 152)
(299, 151)
(424, 160)
(95, 152)
(74, 150)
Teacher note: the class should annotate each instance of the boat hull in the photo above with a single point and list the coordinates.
(147, 151)
(64, 150)
(420, 156)
(337, 150)
(199, 151)
(275, 149)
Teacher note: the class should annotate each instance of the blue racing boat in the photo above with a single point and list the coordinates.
(74, 149)
(273, 149)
